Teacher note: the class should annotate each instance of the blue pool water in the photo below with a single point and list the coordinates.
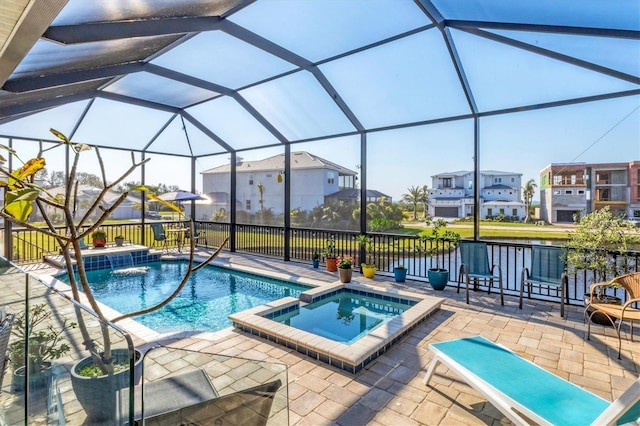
(343, 317)
(203, 305)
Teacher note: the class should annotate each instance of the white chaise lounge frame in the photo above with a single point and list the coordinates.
(484, 365)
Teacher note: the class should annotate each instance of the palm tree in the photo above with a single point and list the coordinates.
(528, 191)
(260, 187)
(414, 196)
(425, 200)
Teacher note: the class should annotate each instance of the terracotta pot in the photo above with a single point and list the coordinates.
(99, 242)
(332, 265)
(345, 274)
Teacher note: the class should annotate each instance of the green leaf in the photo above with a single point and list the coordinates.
(60, 135)
(19, 204)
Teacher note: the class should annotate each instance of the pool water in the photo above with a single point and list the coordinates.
(343, 317)
(203, 304)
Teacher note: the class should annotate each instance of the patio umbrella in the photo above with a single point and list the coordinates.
(179, 195)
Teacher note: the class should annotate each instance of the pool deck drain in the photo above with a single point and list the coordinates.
(351, 357)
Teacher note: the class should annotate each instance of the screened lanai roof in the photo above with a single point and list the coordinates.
(208, 77)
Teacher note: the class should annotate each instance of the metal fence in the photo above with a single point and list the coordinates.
(389, 251)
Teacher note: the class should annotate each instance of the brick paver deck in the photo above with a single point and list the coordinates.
(390, 391)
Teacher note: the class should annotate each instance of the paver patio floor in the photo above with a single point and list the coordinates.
(390, 391)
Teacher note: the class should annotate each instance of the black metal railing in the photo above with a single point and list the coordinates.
(389, 250)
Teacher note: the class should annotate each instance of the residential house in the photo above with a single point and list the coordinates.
(260, 184)
(451, 194)
(86, 195)
(569, 189)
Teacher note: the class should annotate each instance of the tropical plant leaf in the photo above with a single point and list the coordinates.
(60, 135)
(10, 151)
(19, 204)
(140, 188)
(30, 168)
(165, 203)
(79, 147)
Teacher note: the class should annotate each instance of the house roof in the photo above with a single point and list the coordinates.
(355, 193)
(482, 172)
(299, 161)
(88, 192)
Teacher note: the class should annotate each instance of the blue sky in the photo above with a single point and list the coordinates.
(407, 80)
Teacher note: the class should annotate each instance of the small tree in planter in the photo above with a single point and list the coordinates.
(600, 244)
(368, 252)
(22, 197)
(45, 343)
(439, 239)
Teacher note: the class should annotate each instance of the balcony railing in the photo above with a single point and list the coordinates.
(390, 250)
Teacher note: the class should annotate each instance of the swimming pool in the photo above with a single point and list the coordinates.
(352, 355)
(343, 316)
(210, 296)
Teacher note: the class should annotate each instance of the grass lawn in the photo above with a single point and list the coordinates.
(507, 230)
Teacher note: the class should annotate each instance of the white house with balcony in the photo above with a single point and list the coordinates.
(451, 194)
(313, 180)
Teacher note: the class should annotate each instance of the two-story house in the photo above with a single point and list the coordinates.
(451, 194)
(568, 189)
(260, 183)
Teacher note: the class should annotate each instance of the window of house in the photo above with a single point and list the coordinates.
(331, 178)
(248, 205)
(489, 212)
(470, 184)
(556, 192)
(513, 179)
(269, 175)
(514, 212)
(446, 182)
(580, 191)
(501, 211)
(250, 180)
(568, 192)
(573, 179)
(557, 180)
(497, 180)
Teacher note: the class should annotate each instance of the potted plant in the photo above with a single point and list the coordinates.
(400, 273)
(119, 240)
(44, 344)
(315, 259)
(329, 254)
(23, 197)
(367, 251)
(345, 270)
(99, 238)
(600, 244)
(432, 244)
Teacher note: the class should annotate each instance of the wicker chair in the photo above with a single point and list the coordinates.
(5, 333)
(628, 311)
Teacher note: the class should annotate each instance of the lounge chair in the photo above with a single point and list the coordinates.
(548, 269)
(197, 235)
(247, 407)
(628, 311)
(475, 267)
(172, 393)
(159, 235)
(524, 392)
